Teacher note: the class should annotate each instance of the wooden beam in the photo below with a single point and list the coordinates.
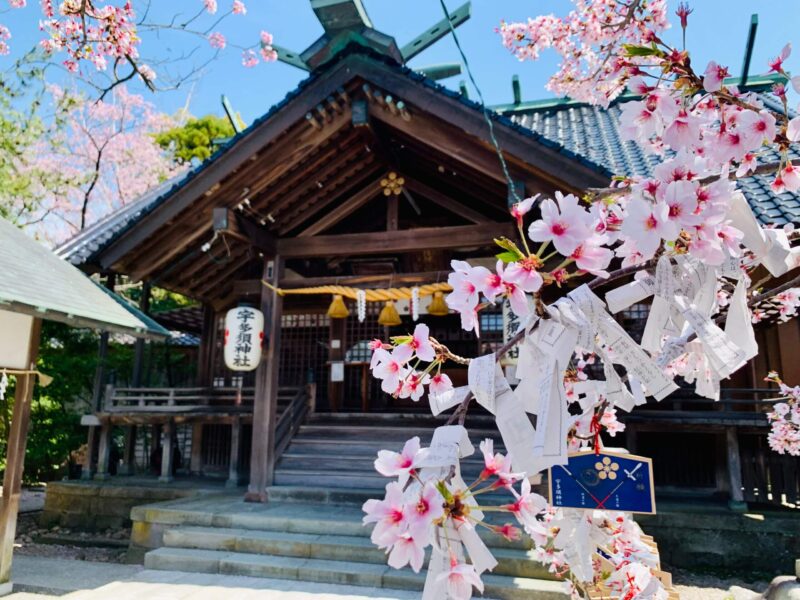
(392, 213)
(164, 246)
(237, 155)
(230, 222)
(344, 209)
(332, 193)
(410, 240)
(446, 202)
(15, 457)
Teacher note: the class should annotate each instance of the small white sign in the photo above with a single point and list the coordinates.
(336, 344)
(15, 337)
(337, 371)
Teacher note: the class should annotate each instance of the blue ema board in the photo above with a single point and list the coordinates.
(607, 481)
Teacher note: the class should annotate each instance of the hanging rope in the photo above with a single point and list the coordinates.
(486, 114)
(379, 295)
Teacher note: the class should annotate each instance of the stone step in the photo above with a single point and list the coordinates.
(314, 512)
(339, 572)
(368, 432)
(367, 447)
(346, 462)
(513, 562)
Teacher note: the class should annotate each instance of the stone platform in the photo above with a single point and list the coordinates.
(97, 505)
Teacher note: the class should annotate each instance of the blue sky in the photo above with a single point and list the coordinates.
(718, 29)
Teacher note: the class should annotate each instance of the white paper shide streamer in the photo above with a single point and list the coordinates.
(361, 304)
(415, 303)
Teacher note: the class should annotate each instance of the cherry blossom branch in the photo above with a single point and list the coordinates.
(765, 168)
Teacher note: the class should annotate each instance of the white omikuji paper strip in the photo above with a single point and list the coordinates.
(446, 400)
(486, 380)
(626, 351)
(660, 317)
(616, 393)
(479, 554)
(778, 259)
(624, 296)
(448, 445)
(738, 322)
(552, 420)
(742, 218)
(529, 366)
(517, 432)
(724, 356)
(575, 319)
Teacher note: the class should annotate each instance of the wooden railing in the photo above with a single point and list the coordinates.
(182, 400)
(292, 416)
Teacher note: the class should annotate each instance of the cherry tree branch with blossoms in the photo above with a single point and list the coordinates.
(107, 36)
(685, 235)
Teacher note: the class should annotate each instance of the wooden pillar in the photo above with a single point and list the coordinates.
(138, 357)
(734, 469)
(336, 350)
(104, 451)
(265, 402)
(205, 355)
(196, 460)
(97, 394)
(236, 444)
(15, 459)
(128, 466)
(631, 438)
(167, 451)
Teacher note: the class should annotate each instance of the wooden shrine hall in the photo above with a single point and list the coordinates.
(368, 175)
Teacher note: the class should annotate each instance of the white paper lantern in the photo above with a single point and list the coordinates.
(244, 335)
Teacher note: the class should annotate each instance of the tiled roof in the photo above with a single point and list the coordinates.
(586, 134)
(594, 133)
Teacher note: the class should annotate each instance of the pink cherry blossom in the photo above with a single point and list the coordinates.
(423, 509)
(398, 464)
(776, 64)
(389, 367)
(681, 200)
(249, 58)
(421, 344)
(388, 515)
(590, 256)
(440, 383)
(758, 126)
(407, 550)
(461, 578)
(647, 224)
(683, 132)
(566, 224)
(210, 6)
(217, 40)
(520, 209)
(413, 385)
(239, 8)
(524, 274)
(714, 76)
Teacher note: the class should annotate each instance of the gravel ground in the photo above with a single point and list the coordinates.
(694, 586)
(28, 531)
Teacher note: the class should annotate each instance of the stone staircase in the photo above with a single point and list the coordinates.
(311, 529)
(337, 450)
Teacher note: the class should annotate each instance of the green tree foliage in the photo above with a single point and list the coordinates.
(195, 139)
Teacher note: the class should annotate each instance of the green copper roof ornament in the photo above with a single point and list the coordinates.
(346, 22)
